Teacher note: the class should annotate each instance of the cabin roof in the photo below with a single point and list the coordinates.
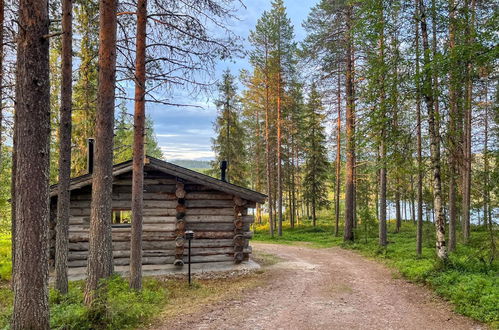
(175, 170)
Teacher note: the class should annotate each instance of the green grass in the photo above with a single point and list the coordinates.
(469, 279)
(5, 257)
(125, 308)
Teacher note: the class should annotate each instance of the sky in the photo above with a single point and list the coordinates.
(187, 132)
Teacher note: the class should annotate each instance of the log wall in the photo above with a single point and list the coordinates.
(220, 222)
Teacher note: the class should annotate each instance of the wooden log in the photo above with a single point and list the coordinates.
(238, 223)
(238, 240)
(180, 226)
(213, 226)
(208, 203)
(180, 241)
(165, 188)
(209, 218)
(239, 201)
(180, 193)
(213, 211)
(180, 208)
(208, 195)
(238, 257)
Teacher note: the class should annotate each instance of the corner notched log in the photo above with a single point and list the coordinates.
(180, 224)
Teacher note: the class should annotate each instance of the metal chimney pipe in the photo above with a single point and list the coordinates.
(223, 168)
(90, 155)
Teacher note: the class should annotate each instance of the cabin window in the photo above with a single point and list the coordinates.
(122, 218)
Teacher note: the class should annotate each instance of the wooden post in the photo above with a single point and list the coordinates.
(239, 238)
(180, 225)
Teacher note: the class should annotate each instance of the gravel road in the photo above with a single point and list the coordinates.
(327, 289)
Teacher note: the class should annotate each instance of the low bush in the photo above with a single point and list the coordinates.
(124, 308)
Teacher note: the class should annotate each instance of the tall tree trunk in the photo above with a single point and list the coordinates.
(466, 164)
(487, 212)
(31, 309)
(454, 137)
(434, 139)
(382, 142)
(350, 144)
(279, 155)
(267, 146)
(419, 231)
(63, 197)
(338, 155)
(2, 18)
(138, 148)
(100, 251)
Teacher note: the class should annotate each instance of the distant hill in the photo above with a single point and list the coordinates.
(192, 164)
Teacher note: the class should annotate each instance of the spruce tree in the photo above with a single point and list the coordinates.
(230, 144)
(316, 162)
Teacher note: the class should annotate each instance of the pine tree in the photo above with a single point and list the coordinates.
(230, 141)
(317, 166)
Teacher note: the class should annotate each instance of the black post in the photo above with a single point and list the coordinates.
(189, 262)
(189, 235)
(90, 155)
(223, 168)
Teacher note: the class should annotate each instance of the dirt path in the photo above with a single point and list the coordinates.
(327, 289)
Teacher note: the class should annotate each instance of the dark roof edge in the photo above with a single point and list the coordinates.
(182, 172)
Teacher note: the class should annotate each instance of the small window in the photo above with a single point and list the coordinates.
(122, 218)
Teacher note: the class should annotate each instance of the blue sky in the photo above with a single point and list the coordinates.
(186, 133)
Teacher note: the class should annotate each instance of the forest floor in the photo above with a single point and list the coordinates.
(329, 288)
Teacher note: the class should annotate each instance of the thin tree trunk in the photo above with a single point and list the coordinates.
(382, 142)
(434, 140)
(31, 273)
(350, 148)
(138, 149)
(279, 160)
(100, 251)
(466, 171)
(267, 146)
(2, 18)
(398, 216)
(63, 197)
(487, 210)
(338, 156)
(419, 231)
(454, 137)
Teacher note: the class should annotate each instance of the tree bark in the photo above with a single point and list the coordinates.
(466, 165)
(138, 149)
(31, 309)
(382, 143)
(434, 140)
(350, 148)
(454, 137)
(338, 156)
(267, 145)
(63, 197)
(100, 256)
(419, 230)
(2, 18)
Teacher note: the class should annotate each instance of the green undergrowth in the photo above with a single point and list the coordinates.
(5, 257)
(124, 308)
(469, 279)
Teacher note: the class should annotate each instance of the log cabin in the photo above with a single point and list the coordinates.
(176, 199)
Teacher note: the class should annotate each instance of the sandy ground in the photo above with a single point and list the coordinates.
(327, 289)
